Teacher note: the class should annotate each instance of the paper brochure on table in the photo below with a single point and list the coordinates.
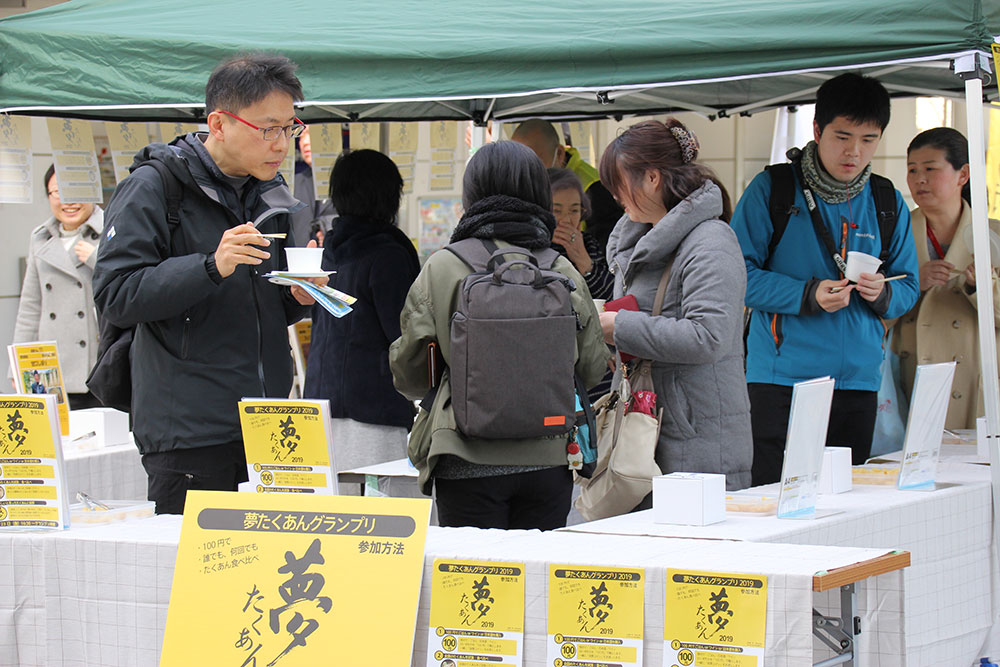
(928, 411)
(477, 613)
(36, 370)
(288, 446)
(595, 616)
(295, 581)
(32, 483)
(807, 423)
(714, 618)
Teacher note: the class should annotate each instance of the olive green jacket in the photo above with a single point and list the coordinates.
(426, 317)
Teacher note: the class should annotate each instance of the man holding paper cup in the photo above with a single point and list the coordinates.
(809, 318)
(188, 275)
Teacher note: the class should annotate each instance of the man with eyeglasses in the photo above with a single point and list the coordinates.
(188, 275)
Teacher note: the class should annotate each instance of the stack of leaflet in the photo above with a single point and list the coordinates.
(334, 301)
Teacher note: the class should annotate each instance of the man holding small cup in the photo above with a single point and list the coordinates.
(797, 225)
(187, 271)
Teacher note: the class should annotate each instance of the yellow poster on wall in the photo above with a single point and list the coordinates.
(287, 444)
(365, 135)
(75, 159)
(32, 489)
(595, 616)
(170, 131)
(714, 618)
(295, 581)
(16, 173)
(125, 139)
(326, 143)
(36, 370)
(477, 613)
(993, 164)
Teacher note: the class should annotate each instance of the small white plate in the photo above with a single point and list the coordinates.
(289, 274)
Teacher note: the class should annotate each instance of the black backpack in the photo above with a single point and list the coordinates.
(111, 378)
(781, 205)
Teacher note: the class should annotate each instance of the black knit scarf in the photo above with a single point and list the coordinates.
(509, 219)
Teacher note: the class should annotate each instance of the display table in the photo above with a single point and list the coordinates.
(98, 595)
(951, 585)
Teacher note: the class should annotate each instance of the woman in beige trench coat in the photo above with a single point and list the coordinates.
(943, 326)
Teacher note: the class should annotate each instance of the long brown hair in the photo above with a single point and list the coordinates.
(651, 145)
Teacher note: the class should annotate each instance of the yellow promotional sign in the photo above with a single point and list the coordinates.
(73, 153)
(16, 173)
(714, 618)
(292, 580)
(477, 614)
(36, 371)
(32, 493)
(170, 131)
(288, 445)
(125, 139)
(366, 135)
(326, 143)
(595, 616)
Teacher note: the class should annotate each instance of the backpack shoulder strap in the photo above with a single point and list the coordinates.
(884, 194)
(172, 189)
(781, 203)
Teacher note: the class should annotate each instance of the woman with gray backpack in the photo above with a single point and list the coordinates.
(498, 330)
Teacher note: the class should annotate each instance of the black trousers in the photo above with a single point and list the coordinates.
(537, 499)
(172, 474)
(852, 424)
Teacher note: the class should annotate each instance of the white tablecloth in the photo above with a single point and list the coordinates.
(952, 587)
(99, 595)
(112, 472)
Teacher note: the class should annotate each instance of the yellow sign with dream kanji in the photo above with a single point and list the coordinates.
(595, 615)
(477, 613)
(714, 618)
(294, 581)
(287, 444)
(32, 490)
(36, 370)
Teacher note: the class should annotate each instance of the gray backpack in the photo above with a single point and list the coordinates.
(513, 344)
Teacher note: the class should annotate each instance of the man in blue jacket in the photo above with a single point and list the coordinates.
(209, 328)
(808, 320)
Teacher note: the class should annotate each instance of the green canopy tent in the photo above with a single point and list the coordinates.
(407, 60)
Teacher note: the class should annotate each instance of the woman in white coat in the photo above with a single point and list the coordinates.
(943, 326)
(57, 302)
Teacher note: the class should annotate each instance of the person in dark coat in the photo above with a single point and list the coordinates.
(348, 363)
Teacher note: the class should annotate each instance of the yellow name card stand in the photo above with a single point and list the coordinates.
(295, 580)
(714, 618)
(287, 444)
(595, 616)
(32, 487)
(477, 613)
(36, 370)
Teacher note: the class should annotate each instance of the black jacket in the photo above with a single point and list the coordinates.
(201, 342)
(349, 356)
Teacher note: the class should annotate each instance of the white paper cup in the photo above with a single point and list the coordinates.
(304, 260)
(599, 304)
(858, 263)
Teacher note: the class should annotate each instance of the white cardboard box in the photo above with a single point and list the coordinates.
(836, 474)
(110, 426)
(689, 498)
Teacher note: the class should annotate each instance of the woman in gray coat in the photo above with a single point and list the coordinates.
(57, 302)
(676, 211)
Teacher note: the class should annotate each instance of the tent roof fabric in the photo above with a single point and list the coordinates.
(451, 59)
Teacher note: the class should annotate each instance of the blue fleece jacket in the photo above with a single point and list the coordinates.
(791, 338)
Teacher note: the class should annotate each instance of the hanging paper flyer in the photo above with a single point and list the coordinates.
(326, 143)
(170, 131)
(365, 135)
(477, 614)
(32, 488)
(595, 616)
(444, 141)
(287, 444)
(287, 167)
(295, 581)
(403, 151)
(125, 139)
(73, 153)
(714, 618)
(36, 370)
(16, 173)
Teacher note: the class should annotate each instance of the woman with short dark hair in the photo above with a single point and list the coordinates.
(349, 357)
(490, 483)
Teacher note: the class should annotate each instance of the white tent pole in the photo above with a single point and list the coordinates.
(984, 272)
